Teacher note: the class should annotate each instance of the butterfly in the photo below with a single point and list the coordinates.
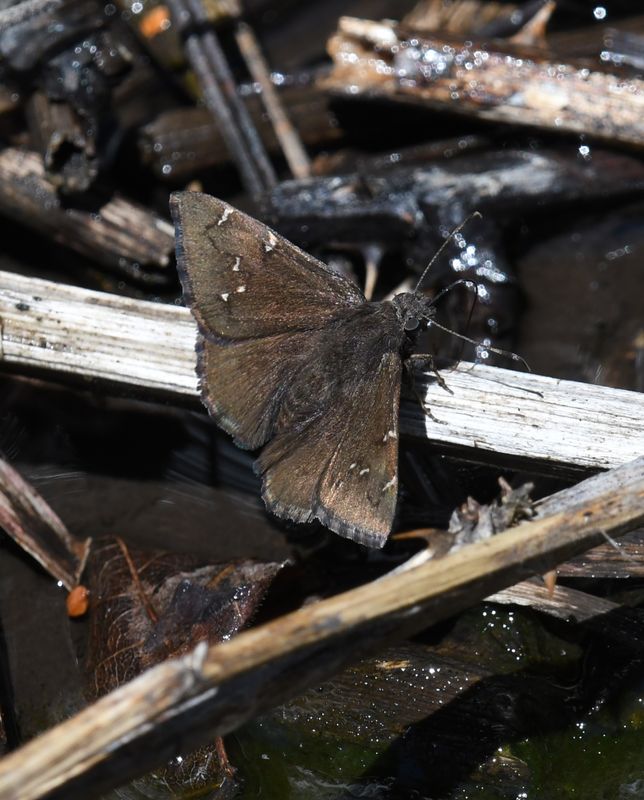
(292, 358)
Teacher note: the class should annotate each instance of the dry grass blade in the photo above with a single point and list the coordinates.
(215, 690)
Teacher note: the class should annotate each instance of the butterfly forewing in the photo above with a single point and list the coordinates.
(242, 383)
(241, 280)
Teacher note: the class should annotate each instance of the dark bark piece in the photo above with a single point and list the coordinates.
(31, 522)
(182, 142)
(119, 234)
(72, 57)
(13, 15)
(28, 43)
(67, 147)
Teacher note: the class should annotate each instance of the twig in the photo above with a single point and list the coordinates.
(215, 690)
(220, 95)
(491, 414)
(33, 524)
(286, 134)
(136, 580)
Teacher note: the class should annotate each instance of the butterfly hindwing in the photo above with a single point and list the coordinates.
(242, 280)
(339, 463)
(365, 465)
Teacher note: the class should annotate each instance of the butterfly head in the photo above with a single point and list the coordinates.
(415, 310)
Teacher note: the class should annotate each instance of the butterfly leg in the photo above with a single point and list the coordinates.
(427, 361)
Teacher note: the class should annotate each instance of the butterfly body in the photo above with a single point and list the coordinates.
(292, 357)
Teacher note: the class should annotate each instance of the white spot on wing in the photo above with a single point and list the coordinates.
(389, 435)
(225, 296)
(353, 466)
(236, 264)
(225, 215)
(390, 484)
(240, 289)
(364, 471)
(270, 244)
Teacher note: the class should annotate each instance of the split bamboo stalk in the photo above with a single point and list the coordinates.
(66, 333)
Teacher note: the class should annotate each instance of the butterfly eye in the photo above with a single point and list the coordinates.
(411, 324)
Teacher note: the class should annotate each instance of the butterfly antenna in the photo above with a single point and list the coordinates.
(497, 350)
(449, 238)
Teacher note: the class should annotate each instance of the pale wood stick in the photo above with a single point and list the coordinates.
(65, 331)
(214, 690)
(285, 131)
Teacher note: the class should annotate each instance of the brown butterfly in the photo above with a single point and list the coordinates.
(292, 357)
